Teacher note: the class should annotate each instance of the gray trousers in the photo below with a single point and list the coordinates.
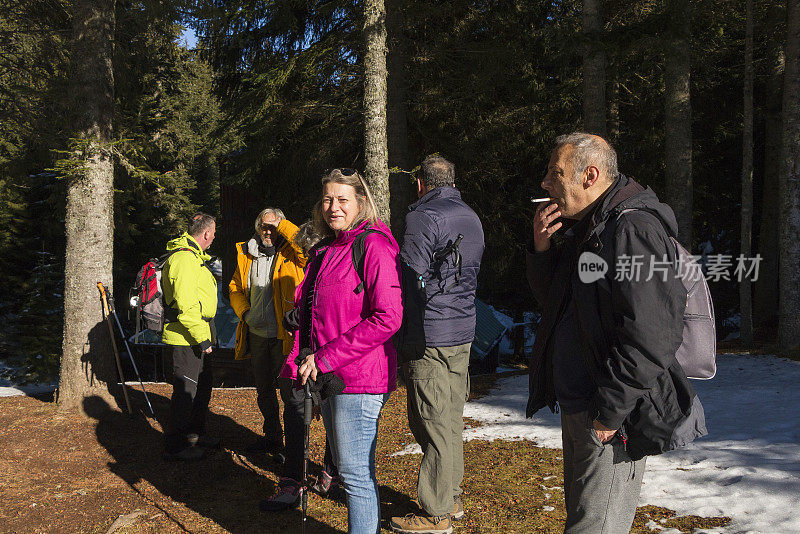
(437, 379)
(601, 482)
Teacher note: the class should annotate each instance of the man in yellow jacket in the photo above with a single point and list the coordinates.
(190, 303)
(269, 268)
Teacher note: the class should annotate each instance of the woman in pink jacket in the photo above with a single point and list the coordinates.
(348, 326)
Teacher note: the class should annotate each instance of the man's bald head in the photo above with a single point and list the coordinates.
(589, 149)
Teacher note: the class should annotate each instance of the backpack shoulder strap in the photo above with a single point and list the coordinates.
(358, 251)
(621, 212)
(162, 260)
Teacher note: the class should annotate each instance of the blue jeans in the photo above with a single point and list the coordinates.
(351, 423)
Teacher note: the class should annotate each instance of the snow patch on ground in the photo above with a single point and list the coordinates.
(747, 468)
(34, 389)
(412, 448)
(502, 413)
(10, 389)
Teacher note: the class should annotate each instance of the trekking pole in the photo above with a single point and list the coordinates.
(307, 412)
(104, 300)
(110, 300)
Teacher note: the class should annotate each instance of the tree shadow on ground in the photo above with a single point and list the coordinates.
(217, 487)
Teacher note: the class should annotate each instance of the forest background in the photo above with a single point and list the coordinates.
(273, 93)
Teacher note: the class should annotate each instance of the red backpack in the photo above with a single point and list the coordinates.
(147, 297)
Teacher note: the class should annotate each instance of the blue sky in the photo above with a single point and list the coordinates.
(189, 38)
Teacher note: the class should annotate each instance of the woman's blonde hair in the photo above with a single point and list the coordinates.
(366, 204)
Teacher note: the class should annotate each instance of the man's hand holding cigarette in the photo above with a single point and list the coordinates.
(544, 225)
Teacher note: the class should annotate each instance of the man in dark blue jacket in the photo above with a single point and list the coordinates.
(441, 252)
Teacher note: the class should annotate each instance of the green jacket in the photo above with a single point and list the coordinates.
(191, 290)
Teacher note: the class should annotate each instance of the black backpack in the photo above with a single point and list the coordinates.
(357, 253)
(291, 319)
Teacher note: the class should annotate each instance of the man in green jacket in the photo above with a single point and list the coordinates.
(190, 303)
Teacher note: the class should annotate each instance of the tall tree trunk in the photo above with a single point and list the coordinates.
(766, 292)
(397, 122)
(594, 70)
(376, 163)
(613, 104)
(745, 286)
(789, 319)
(87, 361)
(678, 120)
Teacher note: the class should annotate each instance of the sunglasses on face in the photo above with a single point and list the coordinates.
(265, 227)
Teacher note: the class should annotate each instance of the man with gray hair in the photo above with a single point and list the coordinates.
(441, 254)
(606, 344)
(269, 268)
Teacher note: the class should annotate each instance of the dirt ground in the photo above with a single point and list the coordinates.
(103, 473)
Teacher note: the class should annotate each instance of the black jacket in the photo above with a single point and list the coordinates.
(631, 327)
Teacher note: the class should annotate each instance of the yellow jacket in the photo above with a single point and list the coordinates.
(190, 290)
(286, 276)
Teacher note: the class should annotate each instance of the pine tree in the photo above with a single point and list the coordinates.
(678, 119)
(376, 161)
(789, 325)
(766, 287)
(745, 289)
(85, 362)
(594, 70)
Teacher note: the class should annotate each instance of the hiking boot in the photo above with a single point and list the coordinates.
(287, 496)
(327, 485)
(186, 454)
(204, 440)
(421, 524)
(458, 508)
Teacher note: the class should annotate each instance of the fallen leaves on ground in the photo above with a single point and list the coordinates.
(89, 473)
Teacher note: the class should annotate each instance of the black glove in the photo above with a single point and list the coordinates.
(291, 320)
(326, 385)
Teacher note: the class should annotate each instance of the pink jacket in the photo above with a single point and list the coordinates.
(351, 333)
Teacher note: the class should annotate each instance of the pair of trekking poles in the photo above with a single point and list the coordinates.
(109, 310)
(308, 401)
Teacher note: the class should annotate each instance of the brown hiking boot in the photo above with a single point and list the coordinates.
(421, 524)
(458, 507)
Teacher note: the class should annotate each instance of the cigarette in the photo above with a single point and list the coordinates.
(544, 199)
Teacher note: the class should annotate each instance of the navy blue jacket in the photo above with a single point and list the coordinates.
(444, 314)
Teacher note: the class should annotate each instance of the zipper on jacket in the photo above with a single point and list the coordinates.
(311, 342)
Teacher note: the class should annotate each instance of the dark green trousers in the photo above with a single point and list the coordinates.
(438, 386)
